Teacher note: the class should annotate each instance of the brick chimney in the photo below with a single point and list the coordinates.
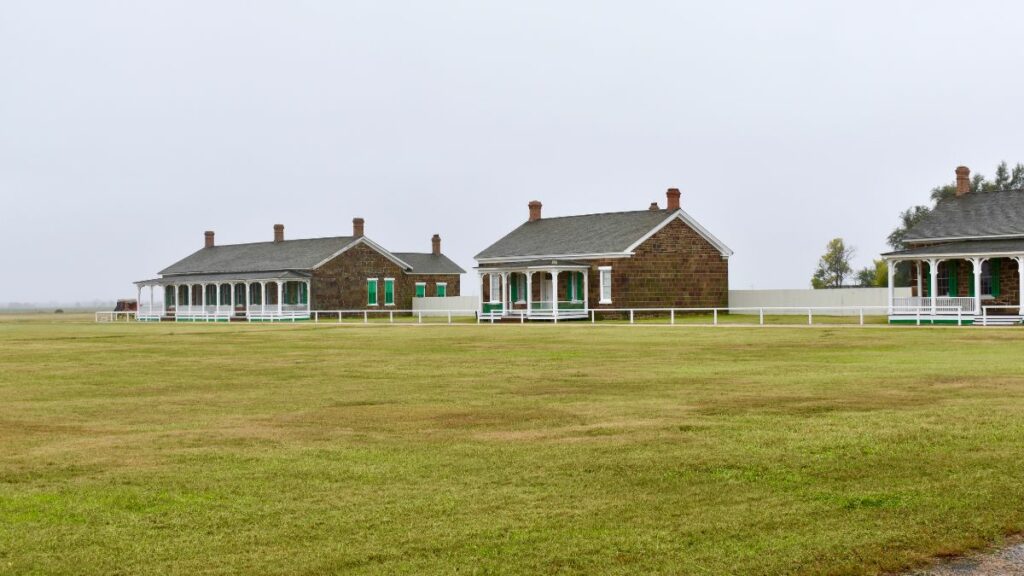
(963, 180)
(278, 232)
(535, 206)
(654, 206)
(672, 196)
(209, 239)
(357, 227)
(435, 245)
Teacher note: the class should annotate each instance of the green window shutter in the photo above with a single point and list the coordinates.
(953, 271)
(303, 294)
(442, 291)
(389, 292)
(970, 282)
(579, 286)
(513, 288)
(421, 290)
(371, 292)
(994, 267)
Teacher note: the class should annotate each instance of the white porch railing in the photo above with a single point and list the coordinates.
(944, 305)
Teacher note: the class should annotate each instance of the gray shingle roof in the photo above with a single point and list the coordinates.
(569, 235)
(427, 263)
(973, 215)
(966, 248)
(301, 254)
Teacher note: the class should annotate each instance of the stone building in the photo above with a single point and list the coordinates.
(558, 268)
(965, 259)
(287, 279)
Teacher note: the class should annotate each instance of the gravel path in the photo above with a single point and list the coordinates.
(1007, 561)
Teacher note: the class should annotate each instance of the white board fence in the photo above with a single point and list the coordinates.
(434, 306)
(803, 298)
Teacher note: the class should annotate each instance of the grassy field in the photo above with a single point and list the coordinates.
(281, 449)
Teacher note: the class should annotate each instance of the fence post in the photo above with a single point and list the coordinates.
(391, 316)
(861, 316)
(366, 316)
(715, 313)
(918, 315)
(630, 315)
(761, 315)
(959, 312)
(672, 316)
(420, 321)
(593, 316)
(449, 316)
(522, 317)
(810, 321)
(339, 316)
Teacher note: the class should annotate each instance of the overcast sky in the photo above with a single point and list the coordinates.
(129, 128)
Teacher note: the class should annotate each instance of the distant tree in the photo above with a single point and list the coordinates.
(876, 275)
(833, 266)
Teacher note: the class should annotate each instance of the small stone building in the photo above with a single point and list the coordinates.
(556, 268)
(287, 279)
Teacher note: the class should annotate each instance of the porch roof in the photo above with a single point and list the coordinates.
(1014, 246)
(225, 277)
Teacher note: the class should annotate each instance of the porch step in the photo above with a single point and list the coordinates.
(998, 320)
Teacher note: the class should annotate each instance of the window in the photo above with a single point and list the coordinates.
(942, 279)
(606, 284)
(442, 289)
(371, 291)
(421, 289)
(990, 277)
(495, 287)
(575, 288)
(389, 291)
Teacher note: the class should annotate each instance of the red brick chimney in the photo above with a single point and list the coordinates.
(535, 206)
(654, 206)
(435, 245)
(278, 232)
(357, 227)
(672, 196)
(209, 239)
(963, 180)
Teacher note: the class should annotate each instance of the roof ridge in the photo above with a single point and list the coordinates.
(646, 211)
(284, 241)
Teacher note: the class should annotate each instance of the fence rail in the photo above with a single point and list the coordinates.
(710, 316)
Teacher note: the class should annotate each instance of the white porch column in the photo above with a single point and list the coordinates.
(554, 294)
(280, 297)
(482, 275)
(933, 270)
(263, 296)
(586, 290)
(151, 304)
(309, 296)
(920, 280)
(1020, 283)
(203, 290)
(504, 293)
(977, 262)
(892, 284)
(175, 286)
(529, 292)
(138, 299)
(248, 298)
(234, 298)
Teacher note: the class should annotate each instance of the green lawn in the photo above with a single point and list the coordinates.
(508, 449)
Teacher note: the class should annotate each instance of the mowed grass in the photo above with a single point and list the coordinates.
(507, 449)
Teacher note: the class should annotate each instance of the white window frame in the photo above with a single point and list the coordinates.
(386, 280)
(416, 290)
(495, 287)
(376, 292)
(605, 285)
(436, 286)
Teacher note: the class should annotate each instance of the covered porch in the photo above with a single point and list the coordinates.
(965, 284)
(535, 290)
(224, 297)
